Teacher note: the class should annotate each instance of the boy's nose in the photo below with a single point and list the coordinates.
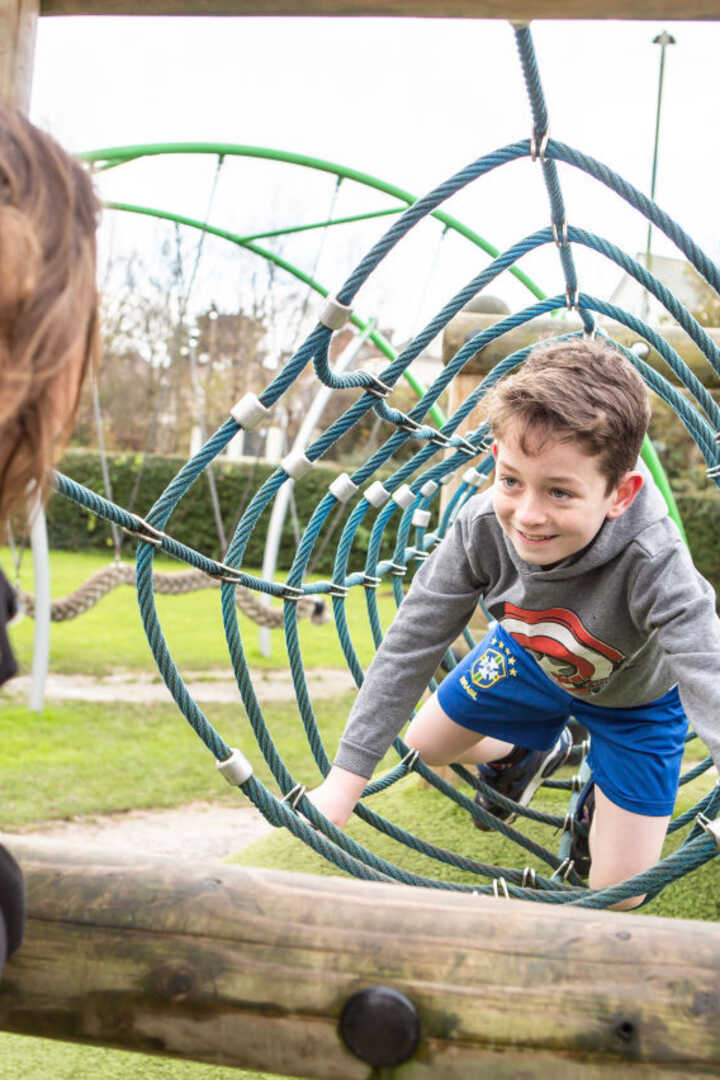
(530, 511)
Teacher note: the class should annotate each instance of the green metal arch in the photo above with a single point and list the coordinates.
(111, 157)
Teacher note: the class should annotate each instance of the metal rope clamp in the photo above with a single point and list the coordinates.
(529, 878)
(564, 870)
(146, 532)
(340, 591)
(236, 769)
(571, 300)
(294, 795)
(560, 238)
(291, 594)
(500, 883)
(376, 387)
(410, 759)
(228, 573)
(538, 147)
(371, 582)
(397, 569)
(334, 315)
(712, 828)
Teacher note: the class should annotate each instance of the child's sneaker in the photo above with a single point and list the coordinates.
(580, 847)
(519, 774)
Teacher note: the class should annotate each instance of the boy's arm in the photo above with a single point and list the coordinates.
(436, 609)
(671, 598)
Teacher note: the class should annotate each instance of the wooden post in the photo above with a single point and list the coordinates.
(465, 324)
(252, 968)
(18, 25)
(473, 9)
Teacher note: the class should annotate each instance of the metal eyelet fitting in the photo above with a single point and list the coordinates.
(294, 795)
(560, 236)
(500, 883)
(538, 147)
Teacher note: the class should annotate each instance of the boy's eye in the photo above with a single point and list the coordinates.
(560, 493)
(508, 481)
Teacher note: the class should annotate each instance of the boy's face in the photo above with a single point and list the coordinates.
(552, 501)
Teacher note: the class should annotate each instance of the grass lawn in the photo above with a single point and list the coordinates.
(80, 758)
(111, 635)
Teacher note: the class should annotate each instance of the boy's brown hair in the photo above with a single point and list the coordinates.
(48, 303)
(579, 390)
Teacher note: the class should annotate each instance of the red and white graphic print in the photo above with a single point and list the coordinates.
(564, 649)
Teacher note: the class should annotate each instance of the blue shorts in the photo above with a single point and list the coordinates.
(635, 753)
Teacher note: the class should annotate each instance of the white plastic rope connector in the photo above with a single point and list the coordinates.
(334, 315)
(429, 488)
(377, 495)
(421, 519)
(343, 488)
(249, 411)
(296, 464)
(403, 497)
(472, 477)
(236, 769)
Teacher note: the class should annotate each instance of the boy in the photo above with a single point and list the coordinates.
(599, 614)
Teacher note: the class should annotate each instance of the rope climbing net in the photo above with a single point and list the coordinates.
(407, 499)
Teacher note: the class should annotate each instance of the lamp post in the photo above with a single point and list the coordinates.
(663, 40)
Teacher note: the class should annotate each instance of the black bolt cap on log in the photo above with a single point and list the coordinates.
(380, 1026)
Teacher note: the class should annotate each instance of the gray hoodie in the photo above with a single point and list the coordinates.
(629, 617)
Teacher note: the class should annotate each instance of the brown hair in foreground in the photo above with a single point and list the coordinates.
(581, 390)
(48, 303)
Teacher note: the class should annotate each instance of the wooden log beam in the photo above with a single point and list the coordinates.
(466, 324)
(448, 9)
(252, 969)
(18, 25)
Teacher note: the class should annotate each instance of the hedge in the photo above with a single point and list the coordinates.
(72, 528)
(193, 523)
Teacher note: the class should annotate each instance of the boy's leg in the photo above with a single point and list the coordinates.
(622, 844)
(440, 741)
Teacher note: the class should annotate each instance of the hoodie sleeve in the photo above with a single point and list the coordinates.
(669, 597)
(435, 610)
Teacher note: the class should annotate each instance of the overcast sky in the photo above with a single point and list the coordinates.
(409, 101)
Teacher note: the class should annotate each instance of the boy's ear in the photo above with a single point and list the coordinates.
(625, 494)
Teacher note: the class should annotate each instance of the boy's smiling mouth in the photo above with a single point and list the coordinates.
(535, 539)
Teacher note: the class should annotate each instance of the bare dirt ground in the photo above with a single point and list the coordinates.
(199, 830)
(210, 686)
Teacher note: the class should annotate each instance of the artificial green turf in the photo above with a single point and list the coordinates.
(22, 1058)
(110, 636)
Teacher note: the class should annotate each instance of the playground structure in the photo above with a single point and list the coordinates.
(609, 1030)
